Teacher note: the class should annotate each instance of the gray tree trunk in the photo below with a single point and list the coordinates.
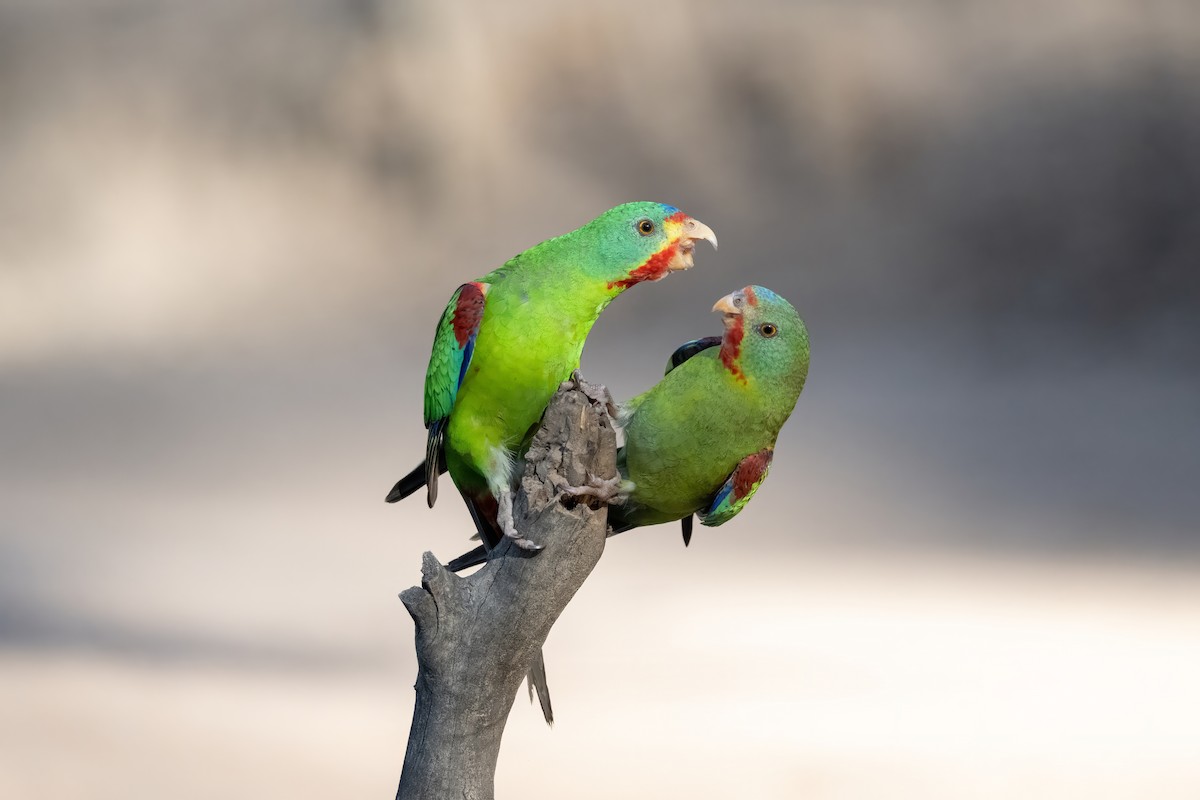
(478, 636)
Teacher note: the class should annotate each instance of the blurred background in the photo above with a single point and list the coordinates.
(227, 230)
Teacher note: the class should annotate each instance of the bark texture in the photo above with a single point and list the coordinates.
(476, 637)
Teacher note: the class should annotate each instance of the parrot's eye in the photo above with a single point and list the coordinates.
(767, 330)
(645, 227)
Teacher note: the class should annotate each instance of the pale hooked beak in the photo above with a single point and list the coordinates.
(731, 304)
(693, 231)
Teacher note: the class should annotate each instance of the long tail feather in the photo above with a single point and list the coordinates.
(466, 560)
(536, 679)
(424, 474)
(435, 458)
(408, 484)
(483, 513)
(473, 558)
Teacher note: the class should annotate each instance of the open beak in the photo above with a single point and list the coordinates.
(693, 230)
(731, 304)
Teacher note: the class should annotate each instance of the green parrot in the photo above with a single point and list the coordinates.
(508, 340)
(701, 441)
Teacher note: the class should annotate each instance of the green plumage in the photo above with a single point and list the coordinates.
(506, 342)
(540, 307)
(700, 442)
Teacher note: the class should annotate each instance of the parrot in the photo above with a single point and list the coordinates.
(700, 442)
(506, 342)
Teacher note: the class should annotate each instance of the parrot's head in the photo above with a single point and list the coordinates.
(638, 242)
(765, 339)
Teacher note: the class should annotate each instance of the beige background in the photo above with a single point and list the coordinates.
(226, 230)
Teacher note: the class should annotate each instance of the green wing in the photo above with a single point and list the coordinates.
(682, 354)
(733, 496)
(453, 346)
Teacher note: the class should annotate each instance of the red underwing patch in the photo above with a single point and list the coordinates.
(749, 472)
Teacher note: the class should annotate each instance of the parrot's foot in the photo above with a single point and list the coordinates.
(607, 492)
(504, 517)
(598, 393)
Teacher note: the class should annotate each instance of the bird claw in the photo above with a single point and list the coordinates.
(598, 393)
(607, 491)
(523, 543)
(504, 516)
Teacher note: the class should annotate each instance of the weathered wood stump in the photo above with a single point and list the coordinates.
(476, 637)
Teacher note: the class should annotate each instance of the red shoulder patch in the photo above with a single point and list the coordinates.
(468, 312)
(749, 472)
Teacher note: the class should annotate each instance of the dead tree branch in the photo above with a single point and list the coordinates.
(477, 636)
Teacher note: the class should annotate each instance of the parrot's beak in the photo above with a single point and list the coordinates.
(692, 231)
(731, 305)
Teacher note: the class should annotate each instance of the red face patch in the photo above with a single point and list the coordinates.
(731, 346)
(468, 312)
(654, 268)
(751, 297)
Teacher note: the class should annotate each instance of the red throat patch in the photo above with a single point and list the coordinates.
(655, 267)
(468, 311)
(731, 347)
